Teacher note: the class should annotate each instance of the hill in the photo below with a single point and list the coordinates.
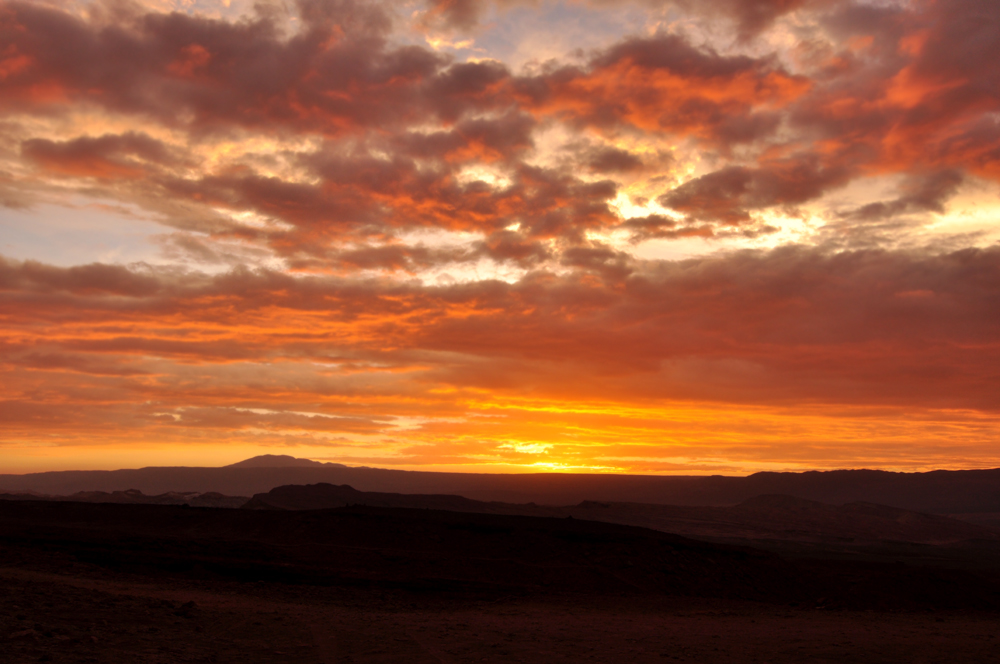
(963, 492)
(770, 517)
(448, 553)
(136, 497)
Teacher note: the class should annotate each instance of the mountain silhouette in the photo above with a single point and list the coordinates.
(280, 461)
(974, 494)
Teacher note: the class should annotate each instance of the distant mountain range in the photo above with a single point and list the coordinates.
(972, 493)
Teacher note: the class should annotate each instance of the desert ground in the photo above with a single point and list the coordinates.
(153, 583)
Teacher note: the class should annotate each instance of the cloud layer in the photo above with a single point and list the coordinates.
(749, 236)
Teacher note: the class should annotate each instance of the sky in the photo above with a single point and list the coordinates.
(649, 236)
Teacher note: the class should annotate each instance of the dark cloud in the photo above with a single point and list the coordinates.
(484, 140)
(82, 280)
(607, 159)
(729, 195)
(468, 85)
(600, 259)
(336, 75)
(505, 245)
(920, 194)
(663, 84)
(658, 226)
(110, 156)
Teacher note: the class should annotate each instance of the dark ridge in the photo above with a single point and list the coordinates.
(136, 497)
(280, 461)
(327, 496)
(965, 492)
(771, 517)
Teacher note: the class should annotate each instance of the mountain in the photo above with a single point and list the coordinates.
(963, 492)
(280, 461)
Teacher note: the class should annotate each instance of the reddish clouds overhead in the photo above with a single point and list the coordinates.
(736, 235)
(665, 85)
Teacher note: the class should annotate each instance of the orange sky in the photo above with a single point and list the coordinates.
(644, 237)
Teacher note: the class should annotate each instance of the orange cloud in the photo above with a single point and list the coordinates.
(373, 249)
(581, 365)
(663, 84)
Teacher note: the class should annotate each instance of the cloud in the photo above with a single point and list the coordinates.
(402, 126)
(83, 279)
(608, 159)
(727, 196)
(750, 16)
(109, 156)
(336, 75)
(910, 322)
(613, 346)
(656, 226)
(663, 84)
(916, 93)
(454, 14)
(481, 140)
(505, 245)
(920, 194)
(360, 229)
(463, 15)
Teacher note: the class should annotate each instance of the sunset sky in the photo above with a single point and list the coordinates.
(699, 236)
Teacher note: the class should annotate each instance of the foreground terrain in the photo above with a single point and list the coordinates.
(150, 583)
(794, 527)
